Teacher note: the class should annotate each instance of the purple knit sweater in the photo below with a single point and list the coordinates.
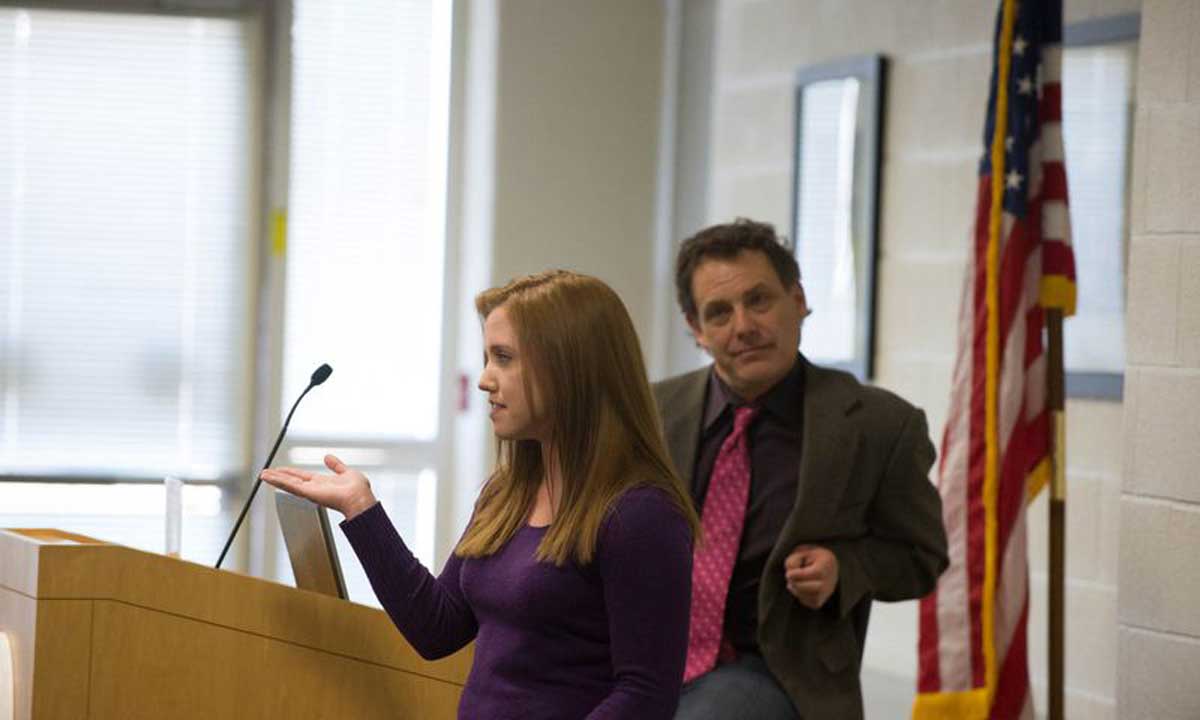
(601, 641)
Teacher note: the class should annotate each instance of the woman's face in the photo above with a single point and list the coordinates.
(513, 418)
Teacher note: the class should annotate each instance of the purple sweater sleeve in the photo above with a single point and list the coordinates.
(644, 556)
(431, 612)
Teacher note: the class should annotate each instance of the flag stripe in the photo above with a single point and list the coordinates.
(980, 455)
(1012, 689)
(1056, 221)
(1050, 106)
(1058, 259)
(1051, 140)
(1054, 181)
(952, 652)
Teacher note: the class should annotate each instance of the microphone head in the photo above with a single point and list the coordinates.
(321, 374)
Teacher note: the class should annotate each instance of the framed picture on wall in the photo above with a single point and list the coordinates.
(835, 215)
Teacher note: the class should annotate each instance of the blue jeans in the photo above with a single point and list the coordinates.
(740, 689)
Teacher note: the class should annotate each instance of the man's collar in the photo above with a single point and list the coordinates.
(784, 400)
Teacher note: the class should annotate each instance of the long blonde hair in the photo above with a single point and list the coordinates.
(579, 345)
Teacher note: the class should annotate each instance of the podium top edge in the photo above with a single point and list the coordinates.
(50, 536)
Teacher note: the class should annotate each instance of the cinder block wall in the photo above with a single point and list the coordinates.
(939, 52)
(1159, 646)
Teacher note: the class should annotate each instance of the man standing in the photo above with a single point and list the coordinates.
(813, 491)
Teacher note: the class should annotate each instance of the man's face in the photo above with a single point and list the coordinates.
(747, 320)
(503, 379)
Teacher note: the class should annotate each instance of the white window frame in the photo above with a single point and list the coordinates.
(261, 548)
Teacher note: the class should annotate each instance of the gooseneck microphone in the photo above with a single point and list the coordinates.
(319, 376)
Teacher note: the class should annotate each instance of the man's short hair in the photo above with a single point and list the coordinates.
(727, 241)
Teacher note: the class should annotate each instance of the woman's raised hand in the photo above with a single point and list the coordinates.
(347, 490)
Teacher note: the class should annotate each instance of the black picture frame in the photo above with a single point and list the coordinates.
(848, 348)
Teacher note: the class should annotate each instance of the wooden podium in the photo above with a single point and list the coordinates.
(104, 632)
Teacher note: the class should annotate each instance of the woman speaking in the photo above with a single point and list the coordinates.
(574, 574)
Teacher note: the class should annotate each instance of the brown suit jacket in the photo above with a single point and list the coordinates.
(864, 493)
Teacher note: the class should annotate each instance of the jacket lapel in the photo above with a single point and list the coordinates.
(682, 426)
(830, 445)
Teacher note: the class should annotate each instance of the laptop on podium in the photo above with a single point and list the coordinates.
(310, 547)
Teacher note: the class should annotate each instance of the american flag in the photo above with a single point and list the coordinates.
(996, 448)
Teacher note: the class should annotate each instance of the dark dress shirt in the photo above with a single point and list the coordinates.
(775, 437)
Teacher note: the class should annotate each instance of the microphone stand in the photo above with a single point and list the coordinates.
(321, 375)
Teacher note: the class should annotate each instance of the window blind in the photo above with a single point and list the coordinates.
(126, 188)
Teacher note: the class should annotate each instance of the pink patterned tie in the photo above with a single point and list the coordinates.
(712, 563)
